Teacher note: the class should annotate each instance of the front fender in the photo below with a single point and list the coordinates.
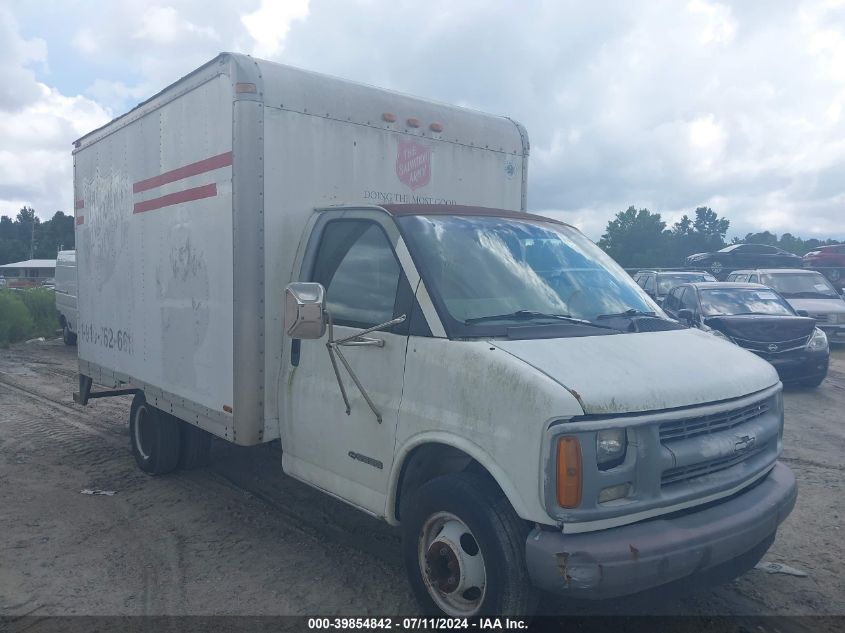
(473, 450)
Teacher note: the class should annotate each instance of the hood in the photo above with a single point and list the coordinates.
(834, 305)
(648, 371)
(763, 328)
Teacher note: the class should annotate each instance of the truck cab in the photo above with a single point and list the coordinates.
(498, 369)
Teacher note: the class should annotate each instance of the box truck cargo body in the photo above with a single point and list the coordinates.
(265, 253)
(191, 207)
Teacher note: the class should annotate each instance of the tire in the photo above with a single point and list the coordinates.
(195, 450)
(834, 274)
(67, 336)
(476, 520)
(154, 436)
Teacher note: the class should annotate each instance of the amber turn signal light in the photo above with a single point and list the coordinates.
(568, 472)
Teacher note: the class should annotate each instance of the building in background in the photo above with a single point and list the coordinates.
(29, 273)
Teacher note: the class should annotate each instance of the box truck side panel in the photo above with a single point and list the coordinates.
(154, 249)
(319, 161)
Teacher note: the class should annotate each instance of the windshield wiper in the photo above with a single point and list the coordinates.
(524, 315)
(629, 313)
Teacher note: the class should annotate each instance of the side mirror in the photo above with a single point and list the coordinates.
(686, 315)
(304, 310)
(803, 313)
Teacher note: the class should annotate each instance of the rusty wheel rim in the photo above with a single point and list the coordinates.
(452, 565)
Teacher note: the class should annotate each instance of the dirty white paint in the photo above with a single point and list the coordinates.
(488, 403)
(155, 287)
(649, 371)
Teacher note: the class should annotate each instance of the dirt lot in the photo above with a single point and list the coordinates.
(241, 538)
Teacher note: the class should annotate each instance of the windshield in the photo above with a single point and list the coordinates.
(482, 267)
(666, 282)
(726, 301)
(797, 285)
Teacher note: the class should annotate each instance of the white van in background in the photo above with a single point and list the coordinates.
(66, 294)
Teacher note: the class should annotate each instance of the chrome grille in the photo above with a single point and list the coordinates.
(674, 475)
(821, 318)
(706, 424)
(780, 346)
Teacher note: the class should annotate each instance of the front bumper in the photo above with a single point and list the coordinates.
(632, 558)
(804, 366)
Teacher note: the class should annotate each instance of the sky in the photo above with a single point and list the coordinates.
(667, 105)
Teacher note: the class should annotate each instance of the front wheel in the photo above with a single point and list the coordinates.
(464, 549)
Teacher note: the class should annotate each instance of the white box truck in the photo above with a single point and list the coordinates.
(267, 254)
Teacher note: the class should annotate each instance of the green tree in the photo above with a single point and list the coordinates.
(635, 238)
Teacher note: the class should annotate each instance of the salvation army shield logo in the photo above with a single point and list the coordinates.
(413, 164)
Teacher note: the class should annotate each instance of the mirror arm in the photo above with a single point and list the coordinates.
(362, 335)
(330, 348)
(358, 339)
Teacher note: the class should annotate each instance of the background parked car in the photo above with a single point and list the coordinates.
(738, 256)
(2, 281)
(760, 320)
(806, 291)
(829, 261)
(657, 284)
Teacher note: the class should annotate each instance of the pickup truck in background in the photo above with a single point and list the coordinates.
(266, 253)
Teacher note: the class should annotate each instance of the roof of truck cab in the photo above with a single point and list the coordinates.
(458, 209)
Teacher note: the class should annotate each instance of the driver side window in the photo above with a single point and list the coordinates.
(356, 265)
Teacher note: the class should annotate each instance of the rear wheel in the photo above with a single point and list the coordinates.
(195, 451)
(67, 336)
(834, 274)
(154, 436)
(464, 549)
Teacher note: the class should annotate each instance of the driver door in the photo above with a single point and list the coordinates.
(349, 455)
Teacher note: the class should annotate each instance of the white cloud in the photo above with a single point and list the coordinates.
(269, 25)
(37, 129)
(655, 103)
(164, 25)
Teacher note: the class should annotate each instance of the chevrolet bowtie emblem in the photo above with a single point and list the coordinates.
(745, 443)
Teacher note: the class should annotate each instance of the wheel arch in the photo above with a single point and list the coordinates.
(430, 455)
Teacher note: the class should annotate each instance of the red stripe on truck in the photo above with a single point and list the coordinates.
(79, 204)
(197, 193)
(80, 219)
(200, 167)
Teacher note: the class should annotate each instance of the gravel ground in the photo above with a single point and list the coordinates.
(240, 537)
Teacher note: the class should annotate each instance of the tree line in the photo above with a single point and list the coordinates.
(638, 238)
(27, 237)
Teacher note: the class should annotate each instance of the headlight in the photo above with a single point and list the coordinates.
(721, 335)
(611, 445)
(818, 341)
